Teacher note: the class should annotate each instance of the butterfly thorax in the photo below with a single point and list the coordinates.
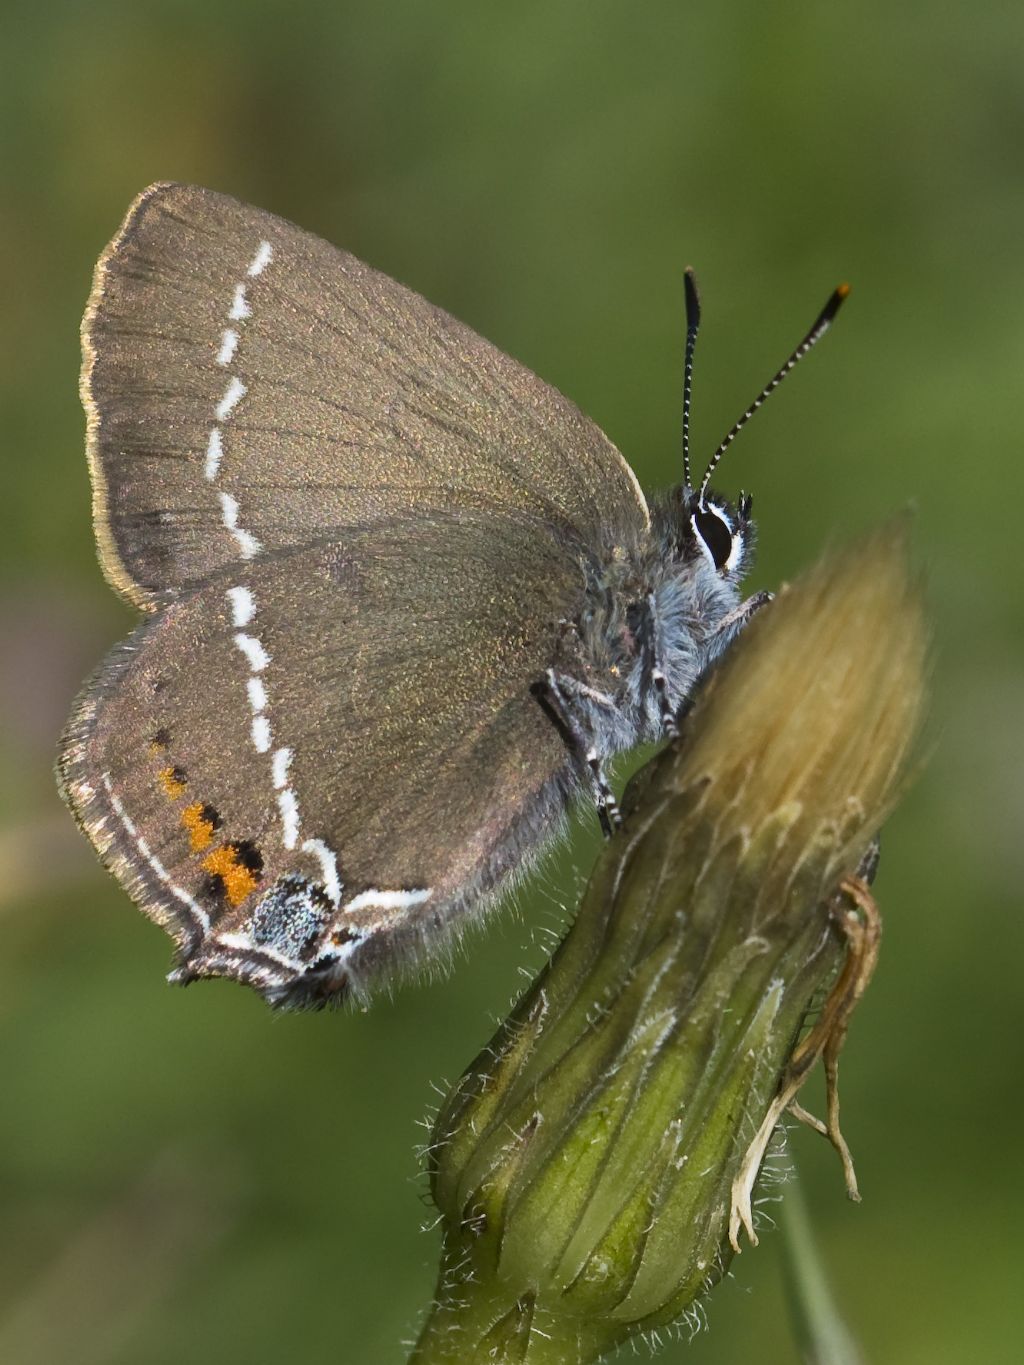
(655, 614)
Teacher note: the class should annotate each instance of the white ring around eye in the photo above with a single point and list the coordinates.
(736, 548)
(735, 537)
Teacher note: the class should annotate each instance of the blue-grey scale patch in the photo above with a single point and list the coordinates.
(291, 917)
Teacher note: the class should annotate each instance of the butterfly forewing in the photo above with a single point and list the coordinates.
(251, 388)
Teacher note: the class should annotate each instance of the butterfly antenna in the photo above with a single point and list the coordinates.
(692, 327)
(821, 325)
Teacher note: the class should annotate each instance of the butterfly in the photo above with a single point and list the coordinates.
(402, 600)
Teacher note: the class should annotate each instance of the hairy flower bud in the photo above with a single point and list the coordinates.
(588, 1164)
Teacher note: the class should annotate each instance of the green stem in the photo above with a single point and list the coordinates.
(822, 1335)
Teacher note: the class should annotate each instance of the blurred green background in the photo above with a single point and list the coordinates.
(186, 1177)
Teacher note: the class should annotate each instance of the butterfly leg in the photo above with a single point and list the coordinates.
(654, 666)
(867, 868)
(580, 713)
(730, 626)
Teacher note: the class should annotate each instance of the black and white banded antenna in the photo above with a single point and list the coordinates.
(821, 325)
(692, 327)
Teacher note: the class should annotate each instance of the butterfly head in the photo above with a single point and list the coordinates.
(709, 537)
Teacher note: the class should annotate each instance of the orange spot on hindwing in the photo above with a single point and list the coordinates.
(173, 782)
(200, 821)
(235, 869)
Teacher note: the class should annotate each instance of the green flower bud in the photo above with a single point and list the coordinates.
(588, 1164)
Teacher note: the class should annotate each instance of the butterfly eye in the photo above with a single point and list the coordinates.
(716, 533)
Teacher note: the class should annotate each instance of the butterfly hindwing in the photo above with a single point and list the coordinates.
(305, 763)
(250, 387)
